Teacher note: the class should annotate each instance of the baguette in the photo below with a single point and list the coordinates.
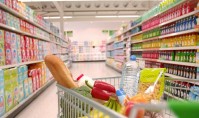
(59, 71)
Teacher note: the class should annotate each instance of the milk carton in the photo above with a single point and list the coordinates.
(2, 51)
(8, 53)
(2, 100)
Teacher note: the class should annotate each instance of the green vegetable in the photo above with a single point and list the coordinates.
(68, 108)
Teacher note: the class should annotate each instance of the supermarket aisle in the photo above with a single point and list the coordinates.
(45, 106)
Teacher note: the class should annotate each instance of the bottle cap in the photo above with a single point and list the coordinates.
(119, 93)
(78, 78)
(133, 58)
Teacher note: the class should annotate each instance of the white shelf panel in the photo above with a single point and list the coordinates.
(119, 60)
(174, 76)
(174, 48)
(149, 39)
(171, 62)
(118, 48)
(20, 64)
(118, 41)
(135, 34)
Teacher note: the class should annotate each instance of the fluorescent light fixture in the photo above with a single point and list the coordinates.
(106, 16)
(128, 16)
(57, 17)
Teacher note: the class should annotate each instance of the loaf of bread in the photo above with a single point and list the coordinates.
(59, 71)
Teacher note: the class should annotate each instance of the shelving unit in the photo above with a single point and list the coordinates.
(52, 39)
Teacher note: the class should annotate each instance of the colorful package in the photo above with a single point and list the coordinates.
(32, 73)
(9, 103)
(18, 49)
(26, 88)
(30, 90)
(14, 83)
(14, 48)
(2, 100)
(2, 48)
(147, 78)
(21, 91)
(7, 47)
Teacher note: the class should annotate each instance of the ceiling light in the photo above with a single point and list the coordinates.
(127, 16)
(57, 17)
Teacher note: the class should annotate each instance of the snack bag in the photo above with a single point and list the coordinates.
(148, 76)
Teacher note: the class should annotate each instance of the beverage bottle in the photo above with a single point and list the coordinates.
(130, 77)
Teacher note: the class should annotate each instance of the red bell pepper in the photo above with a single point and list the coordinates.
(100, 90)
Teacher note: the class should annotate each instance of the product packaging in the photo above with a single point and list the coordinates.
(2, 100)
(8, 53)
(82, 78)
(2, 48)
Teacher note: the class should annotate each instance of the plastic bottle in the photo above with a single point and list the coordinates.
(81, 80)
(130, 77)
(121, 96)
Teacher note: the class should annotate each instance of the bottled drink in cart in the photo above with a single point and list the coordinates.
(130, 77)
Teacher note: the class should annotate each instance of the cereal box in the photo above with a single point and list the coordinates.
(26, 88)
(4, 17)
(21, 91)
(8, 54)
(30, 85)
(2, 100)
(1, 16)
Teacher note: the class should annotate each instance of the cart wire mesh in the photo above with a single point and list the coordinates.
(74, 105)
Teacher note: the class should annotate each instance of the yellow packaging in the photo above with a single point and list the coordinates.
(148, 77)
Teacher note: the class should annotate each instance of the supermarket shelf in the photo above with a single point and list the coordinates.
(149, 39)
(22, 32)
(171, 62)
(118, 48)
(179, 33)
(177, 98)
(163, 11)
(12, 113)
(110, 57)
(118, 41)
(118, 70)
(174, 48)
(119, 60)
(20, 64)
(15, 13)
(110, 50)
(89, 61)
(179, 77)
(178, 18)
(110, 42)
(174, 76)
(173, 20)
(135, 34)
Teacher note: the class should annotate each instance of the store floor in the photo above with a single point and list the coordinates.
(45, 106)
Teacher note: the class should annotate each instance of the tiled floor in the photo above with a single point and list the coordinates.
(45, 106)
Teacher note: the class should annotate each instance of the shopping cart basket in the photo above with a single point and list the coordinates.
(74, 105)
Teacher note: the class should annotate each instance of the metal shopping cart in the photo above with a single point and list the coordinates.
(74, 105)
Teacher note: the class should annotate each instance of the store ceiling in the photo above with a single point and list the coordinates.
(88, 10)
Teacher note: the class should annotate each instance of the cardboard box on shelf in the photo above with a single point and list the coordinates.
(7, 43)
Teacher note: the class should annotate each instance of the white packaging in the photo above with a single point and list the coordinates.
(82, 78)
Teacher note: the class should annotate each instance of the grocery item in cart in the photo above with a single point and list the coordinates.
(148, 77)
(129, 81)
(81, 80)
(59, 71)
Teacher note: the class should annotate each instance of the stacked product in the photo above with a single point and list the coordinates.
(20, 82)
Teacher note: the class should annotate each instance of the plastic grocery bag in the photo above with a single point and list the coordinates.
(148, 77)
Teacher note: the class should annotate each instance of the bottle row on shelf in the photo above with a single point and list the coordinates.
(182, 71)
(177, 41)
(179, 56)
(20, 82)
(172, 13)
(15, 48)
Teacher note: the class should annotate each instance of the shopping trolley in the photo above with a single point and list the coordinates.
(74, 105)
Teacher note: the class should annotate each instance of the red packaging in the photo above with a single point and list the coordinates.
(8, 54)
(27, 51)
(39, 73)
(4, 17)
(27, 27)
(1, 16)
(23, 55)
(27, 42)
(14, 4)
(22, 43)
(33, 74)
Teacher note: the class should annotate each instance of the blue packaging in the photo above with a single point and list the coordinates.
(2, 99)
